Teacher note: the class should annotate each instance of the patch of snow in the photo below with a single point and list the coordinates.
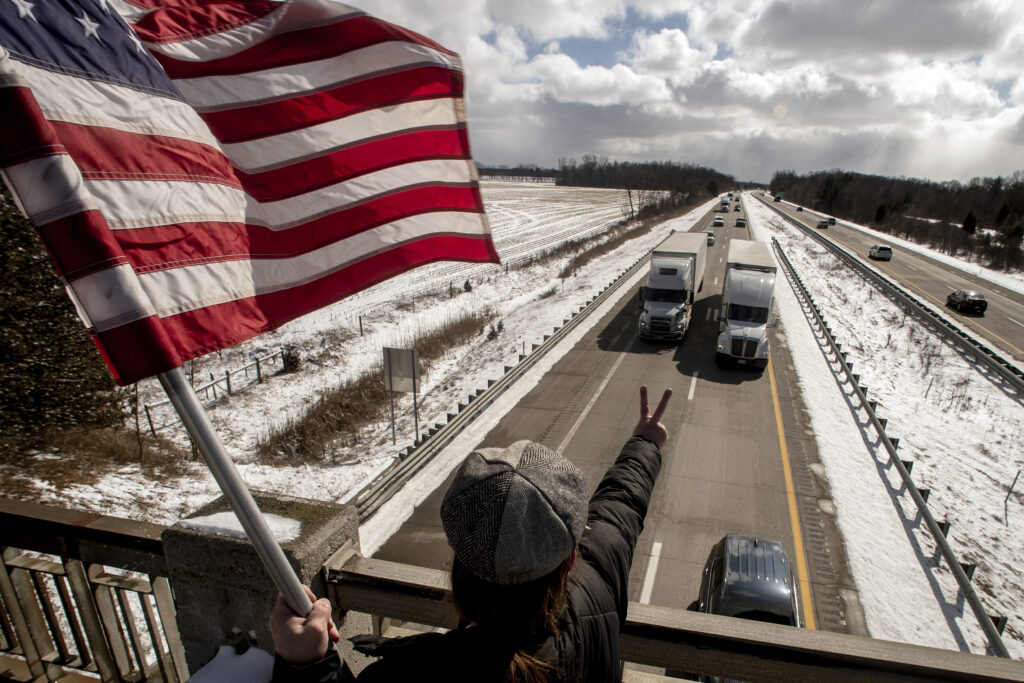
(284, 529)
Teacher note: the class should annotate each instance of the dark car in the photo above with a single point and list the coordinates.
(749, 577)
(967, 301)
(799, 208)
(823, 224)
(738, 207)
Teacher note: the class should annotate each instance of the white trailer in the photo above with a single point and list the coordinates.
(676, 275)
(748, 302)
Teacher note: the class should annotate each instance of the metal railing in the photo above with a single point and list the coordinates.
(683, 641)
(85, 593)
(820, 327)
(104, 563)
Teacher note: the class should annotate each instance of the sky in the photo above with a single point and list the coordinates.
(920, 88)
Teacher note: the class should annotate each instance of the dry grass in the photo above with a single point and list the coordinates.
(339, 416)
(84, 456)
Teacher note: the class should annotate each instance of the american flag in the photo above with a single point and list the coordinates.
(229, 165)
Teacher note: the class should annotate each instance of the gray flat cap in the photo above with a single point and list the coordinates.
(514, 514)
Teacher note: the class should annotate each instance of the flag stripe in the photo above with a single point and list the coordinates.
(191, 202)
(208, 329)
(202, 57)
(171, 245)
(110, 153)
(387, 90)
(222, 92)
(62, 97)
(186, 287)
(104, 153)
(264, 154)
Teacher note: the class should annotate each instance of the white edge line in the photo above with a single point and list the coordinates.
(652, 569)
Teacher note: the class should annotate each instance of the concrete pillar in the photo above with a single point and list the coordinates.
(218, 581)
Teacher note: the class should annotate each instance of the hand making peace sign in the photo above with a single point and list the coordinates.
(650, 426)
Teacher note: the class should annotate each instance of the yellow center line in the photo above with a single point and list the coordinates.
(794, 515)
(943, 303)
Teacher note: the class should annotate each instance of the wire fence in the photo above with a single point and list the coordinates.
(231, 382)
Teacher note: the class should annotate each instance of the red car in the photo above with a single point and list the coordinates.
(967, 301)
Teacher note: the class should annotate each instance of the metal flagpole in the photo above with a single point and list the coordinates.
(230, 481)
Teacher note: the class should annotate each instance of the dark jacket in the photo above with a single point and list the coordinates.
(586, 648)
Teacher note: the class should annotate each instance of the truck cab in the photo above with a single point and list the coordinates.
(748, 302)
(676, 274)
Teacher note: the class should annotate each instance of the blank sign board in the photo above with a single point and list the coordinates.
(401, 370)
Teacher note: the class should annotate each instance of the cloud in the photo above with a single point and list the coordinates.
(667, 54)
(546, 20)
(566, 81)
(930, 87)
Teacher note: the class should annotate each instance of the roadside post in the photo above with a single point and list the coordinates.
(402, 373)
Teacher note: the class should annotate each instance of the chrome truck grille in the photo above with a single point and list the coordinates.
(744, 347)
(661, 325)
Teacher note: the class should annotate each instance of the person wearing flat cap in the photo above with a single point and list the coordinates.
(539, 578)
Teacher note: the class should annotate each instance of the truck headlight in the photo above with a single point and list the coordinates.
(721, 348)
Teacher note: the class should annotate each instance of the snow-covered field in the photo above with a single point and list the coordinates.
(963, 433)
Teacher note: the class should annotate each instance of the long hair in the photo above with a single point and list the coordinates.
(520, 615)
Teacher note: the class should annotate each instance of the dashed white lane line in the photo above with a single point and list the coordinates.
(693, 385)
(652, 569)
(716, 281)
(1016, 322)
(597, 394)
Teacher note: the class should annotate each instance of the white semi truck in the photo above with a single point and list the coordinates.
(676, 275)
(748, 302)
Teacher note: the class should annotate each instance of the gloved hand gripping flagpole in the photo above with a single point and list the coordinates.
(230, 481)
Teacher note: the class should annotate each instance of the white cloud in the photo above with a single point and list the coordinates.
(546, 20)
(566, 81)
(667, 54)
(747, 86)
(941, 88)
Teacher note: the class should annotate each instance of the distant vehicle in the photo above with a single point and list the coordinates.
(967, 301)
(749, 577)
(719, 222)
(711, 237)
(823, 224)
(778, 197)
(831, 220)
(880, 252)
(741, 222)
(675, 277)
(738, 207)
(799, 209)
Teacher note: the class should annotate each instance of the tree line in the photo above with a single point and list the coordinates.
(982, 219)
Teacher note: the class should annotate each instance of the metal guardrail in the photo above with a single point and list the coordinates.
(372, 496)
(938, 531)
(966, 343)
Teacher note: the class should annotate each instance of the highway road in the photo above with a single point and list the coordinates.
(726, 468)
(1003, 322)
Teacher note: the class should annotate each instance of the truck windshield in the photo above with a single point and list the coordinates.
(675, 296)
(748, 314)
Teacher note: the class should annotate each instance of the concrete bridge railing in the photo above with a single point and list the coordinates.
(123, 600)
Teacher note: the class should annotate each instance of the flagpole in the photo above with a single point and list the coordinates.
(198, 425)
